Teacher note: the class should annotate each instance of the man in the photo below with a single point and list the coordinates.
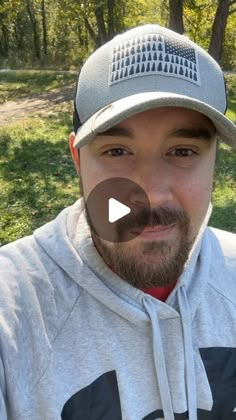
(124, 306)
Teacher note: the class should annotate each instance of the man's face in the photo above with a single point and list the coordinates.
(170, 153)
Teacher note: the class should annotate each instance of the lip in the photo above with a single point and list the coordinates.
(156, 232)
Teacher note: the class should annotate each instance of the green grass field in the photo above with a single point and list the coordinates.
(37, 176)
(23, 84)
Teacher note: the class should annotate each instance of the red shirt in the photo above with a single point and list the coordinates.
(160, 293)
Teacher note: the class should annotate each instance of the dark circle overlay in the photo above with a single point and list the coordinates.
(126, 192)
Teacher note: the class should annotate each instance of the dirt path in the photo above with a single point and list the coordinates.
(13, 111)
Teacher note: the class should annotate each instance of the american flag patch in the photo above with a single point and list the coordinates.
(154, 54)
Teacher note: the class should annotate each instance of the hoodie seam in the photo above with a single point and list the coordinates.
(50, 357)
(220, 292)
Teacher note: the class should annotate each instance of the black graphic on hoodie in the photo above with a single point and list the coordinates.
(101, 401)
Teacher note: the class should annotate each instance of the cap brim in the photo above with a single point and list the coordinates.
(118, 111)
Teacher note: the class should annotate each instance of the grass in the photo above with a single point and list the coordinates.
(224, 198)
(231, 89)
(22, 84)
(37, 176)
(38, 179)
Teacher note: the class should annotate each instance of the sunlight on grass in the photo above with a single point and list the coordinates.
(231, 92)
(37, 176)
(16, 85)
(224, 197)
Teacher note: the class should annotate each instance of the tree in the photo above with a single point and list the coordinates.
(218, 28)
(99, 13)
(111, 23)
(44, 25)
(35, 30)
(4, 43)
(106, 17)
(64, 32)
(176, 16)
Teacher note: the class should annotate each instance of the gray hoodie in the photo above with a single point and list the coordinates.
(79, 343)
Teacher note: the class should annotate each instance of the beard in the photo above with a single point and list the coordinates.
(146, 264)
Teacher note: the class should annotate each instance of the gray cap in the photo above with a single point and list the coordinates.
(148, 67)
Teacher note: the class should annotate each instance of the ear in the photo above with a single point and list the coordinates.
(75, 153)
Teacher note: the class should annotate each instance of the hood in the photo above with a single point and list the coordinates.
(67, 240)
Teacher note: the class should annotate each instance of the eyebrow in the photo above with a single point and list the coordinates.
(191, 133)
(197, 133)
(117, 131)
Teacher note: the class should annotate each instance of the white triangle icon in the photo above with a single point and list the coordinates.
(116, 210)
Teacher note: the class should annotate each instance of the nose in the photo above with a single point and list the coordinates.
(157, 182)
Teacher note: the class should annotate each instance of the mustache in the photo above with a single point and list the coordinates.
(160, 216)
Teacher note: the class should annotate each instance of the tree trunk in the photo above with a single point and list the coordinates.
(19, 32)
(102, 33)
(218, 29)
(4, 46)
(111, 26)
(176, 16)
(81, 35)
(44, 23)
(121, 26)
(90, 30)
(34, 24)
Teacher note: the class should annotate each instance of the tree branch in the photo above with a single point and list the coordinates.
(232, 2)
(189, 21)
(90, 29)
(232, 11)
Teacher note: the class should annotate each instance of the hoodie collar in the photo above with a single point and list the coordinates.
(68, 241)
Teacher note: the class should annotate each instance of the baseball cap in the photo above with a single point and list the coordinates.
(148, 67)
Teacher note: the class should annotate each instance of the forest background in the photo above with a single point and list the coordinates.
(62, 33)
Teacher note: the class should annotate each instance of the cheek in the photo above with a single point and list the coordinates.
(92, 173)
(195, 192)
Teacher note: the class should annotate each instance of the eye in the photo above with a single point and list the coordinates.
(183, 152)
(116, 152)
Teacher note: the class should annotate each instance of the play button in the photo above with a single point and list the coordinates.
(117, 209)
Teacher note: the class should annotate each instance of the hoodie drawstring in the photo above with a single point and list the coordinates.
(159, 359)
(188, 353)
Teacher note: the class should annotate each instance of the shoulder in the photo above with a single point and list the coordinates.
(36, 299)
(24, 257)
(223, 242)
(223, 262)
(21, 272)
(31, 282)
(21, 263)
(15, 260)
(223, 234)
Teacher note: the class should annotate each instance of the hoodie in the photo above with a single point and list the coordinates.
(77, 342)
